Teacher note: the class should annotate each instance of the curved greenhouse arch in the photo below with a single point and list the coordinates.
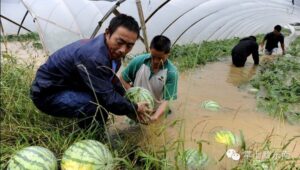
(60, 22)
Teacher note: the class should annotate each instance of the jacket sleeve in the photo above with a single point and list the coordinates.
(255, 54)
(118, 86)
(97, 77)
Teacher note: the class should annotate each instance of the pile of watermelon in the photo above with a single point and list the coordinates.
(85, 155)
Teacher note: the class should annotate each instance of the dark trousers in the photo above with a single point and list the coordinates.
(73, 104)
(238, 61)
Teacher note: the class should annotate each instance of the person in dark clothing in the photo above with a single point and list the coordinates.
(272, 39)
(243, 49)
(79, 79)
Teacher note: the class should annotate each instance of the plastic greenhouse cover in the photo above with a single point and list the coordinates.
(60, 22)
(15, 11)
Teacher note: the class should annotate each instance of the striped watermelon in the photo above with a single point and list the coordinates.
(193, 159)
(87, 155)
(139, 94)
(211, 105)
(226, 137)
(33, 158)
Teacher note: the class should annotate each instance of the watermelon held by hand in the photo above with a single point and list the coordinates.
(139, 94)
(87, 155)
(34, 158)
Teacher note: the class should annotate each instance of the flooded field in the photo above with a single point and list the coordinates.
(191, 123)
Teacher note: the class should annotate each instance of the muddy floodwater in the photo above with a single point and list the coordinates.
(190, 122)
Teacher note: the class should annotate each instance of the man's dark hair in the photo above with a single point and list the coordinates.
(161, 43)
(252, 37)
(277, 28)
(125, 21)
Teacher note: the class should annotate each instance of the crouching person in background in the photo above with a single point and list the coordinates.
(243, 49)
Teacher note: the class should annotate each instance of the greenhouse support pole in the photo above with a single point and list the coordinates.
(39, 28)
(4, 37)
(22, 22)
(111, 10)
(1, 16)
(142, 21)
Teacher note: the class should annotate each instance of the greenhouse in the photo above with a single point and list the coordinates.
(150, 84)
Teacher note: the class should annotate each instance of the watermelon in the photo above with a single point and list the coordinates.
(226, 137)
(211, 105)
(194, 159)
(87, 155)
(139, 94)
(253, 90)
(33, 158)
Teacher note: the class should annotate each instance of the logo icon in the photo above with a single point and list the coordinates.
(231, 153)
(161, 78)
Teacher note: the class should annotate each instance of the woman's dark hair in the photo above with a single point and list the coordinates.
(161, 43)
(125, 21)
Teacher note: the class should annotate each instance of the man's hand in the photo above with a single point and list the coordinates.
(143, 112)
(143, 107)
(283, 52)
(153, 118)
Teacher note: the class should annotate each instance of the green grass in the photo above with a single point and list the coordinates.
(21, 123)
(286, 32)
(294, 48)
(192, 55)
(29, 37)
(279, 84)
(32, 36)
(263, 156)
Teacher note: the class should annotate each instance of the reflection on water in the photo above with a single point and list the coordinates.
(190, 123)
(240, 75)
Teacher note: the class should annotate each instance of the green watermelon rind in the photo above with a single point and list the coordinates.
(139, 94)
(228, 134)
(89, 152)
(194, 159)
(211, 105)
(33, 157)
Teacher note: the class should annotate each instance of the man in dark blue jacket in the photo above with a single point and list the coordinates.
(243, 49)
(79, 80)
